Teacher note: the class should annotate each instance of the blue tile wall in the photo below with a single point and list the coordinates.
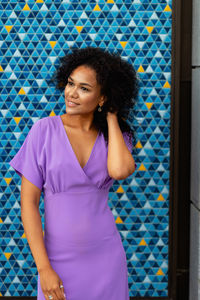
(33, 34)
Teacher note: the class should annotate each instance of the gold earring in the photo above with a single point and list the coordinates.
(99, 108)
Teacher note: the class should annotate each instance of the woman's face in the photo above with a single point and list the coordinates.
(83, 89)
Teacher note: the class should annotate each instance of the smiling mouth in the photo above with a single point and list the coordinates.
(70, 103)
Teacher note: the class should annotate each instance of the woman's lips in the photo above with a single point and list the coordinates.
(72, 104)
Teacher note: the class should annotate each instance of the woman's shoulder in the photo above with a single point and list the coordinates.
(41, 126)
(45, 121)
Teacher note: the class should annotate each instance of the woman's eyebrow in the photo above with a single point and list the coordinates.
(81, 82)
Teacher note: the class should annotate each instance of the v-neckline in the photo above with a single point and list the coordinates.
(73, 153)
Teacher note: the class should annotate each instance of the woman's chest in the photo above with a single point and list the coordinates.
(62, 168)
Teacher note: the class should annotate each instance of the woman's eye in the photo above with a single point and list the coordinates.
(85, 89)
(71, 83)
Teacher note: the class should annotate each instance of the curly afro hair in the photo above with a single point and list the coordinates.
(117, 78)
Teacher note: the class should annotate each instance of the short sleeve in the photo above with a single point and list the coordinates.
(128, 141)
(26, 161)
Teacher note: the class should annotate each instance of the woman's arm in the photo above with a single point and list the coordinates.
(30, 215)
(120, 162)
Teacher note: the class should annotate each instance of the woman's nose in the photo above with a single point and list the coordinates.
(73, 92)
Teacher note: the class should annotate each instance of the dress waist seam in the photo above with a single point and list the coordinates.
(100, 191)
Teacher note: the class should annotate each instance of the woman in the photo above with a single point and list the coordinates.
(74, 158)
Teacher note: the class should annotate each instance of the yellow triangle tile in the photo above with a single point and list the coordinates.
(1, 221)
(1, 69)
(166, 85)
(123, 44)
(149, 104)
(52, 113)
(142, 167)
(143, 243)
(7, 180)
(120, 189)
(138, 145)
(79, 28)
(22, 92)
(17, 119)
(167, 8)
(149, 28)
(8, 27)
(24, 236)
(110, 1)
(160, 198)
(140, 69)
(160, 272)
(7, 255)
(118, 220)
(52, 43)
(97, 8)
(39, 1)
(1, 294)
(26, 7)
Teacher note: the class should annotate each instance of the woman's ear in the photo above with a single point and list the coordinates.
(103, 99)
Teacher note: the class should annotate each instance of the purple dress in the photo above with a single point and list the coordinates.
(83, 244)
